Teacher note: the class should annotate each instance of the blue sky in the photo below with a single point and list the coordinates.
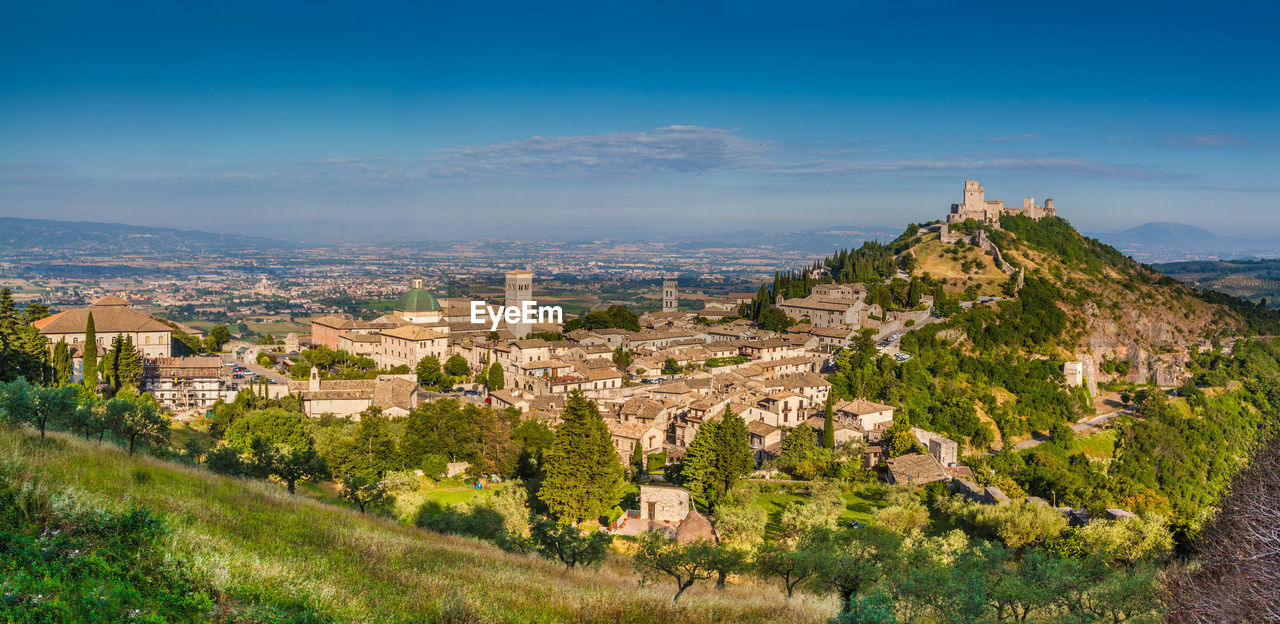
(474, 117)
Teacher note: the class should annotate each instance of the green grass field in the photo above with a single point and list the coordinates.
(258, 545)
(1100, 445)
(858, 505)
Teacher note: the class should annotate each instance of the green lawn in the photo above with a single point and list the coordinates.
(858, 505)
(436, 498)
(278, 328)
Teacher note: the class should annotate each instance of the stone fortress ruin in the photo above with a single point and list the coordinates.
(976, 206)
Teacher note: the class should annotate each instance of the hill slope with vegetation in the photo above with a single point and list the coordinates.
(1187, 411)
(226, 549)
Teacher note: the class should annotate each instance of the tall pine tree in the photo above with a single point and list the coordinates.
(733, 453)
(718, 456)
(128, 364)
(584, 477)
(698, 466)
(90, 353)
(24, 351)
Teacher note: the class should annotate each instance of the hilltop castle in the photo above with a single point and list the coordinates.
(976, 206)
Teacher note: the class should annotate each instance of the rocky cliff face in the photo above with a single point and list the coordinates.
(1123, 318)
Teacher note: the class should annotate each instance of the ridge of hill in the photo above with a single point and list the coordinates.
(266, 555)
(32, 235)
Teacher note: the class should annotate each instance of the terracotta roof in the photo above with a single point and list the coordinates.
(916, 469)
(109, 318)
(111, 300)
(394, 393)
(631, 430)
(860, 407)
(413, 333)
(531, 343)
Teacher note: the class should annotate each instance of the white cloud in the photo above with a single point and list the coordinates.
(676, 148)
(1206, 140)
(1016, 137)
(953, 164)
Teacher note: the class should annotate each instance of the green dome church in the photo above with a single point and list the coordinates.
(418, 305)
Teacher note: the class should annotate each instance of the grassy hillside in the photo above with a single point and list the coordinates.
(959, 267)
(268, 556)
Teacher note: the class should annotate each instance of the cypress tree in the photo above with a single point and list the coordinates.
(584, 477)
(90, 353)
(109, 366)
(61, 362)
(638, 460)
(828, 429)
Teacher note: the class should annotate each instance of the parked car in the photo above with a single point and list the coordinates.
(472, 393)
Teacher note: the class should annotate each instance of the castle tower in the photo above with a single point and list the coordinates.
(1048, 208)
(670, 296)
(974, 196)
(519, 290)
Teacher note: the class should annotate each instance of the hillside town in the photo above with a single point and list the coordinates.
(875, 393)
(655, 384)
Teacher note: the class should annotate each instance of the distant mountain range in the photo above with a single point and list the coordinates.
(44, 235)
(1174, 242)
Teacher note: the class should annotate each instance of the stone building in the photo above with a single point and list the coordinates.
(827, 310)
(944, 450)
(1074, 372)
(112, 316)
(186, 382)
(915, 469)
(664, 504)
(670, 296)
(408, 344)
(976, 206)
(519, 289)
(869, 415)
(396, 395)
